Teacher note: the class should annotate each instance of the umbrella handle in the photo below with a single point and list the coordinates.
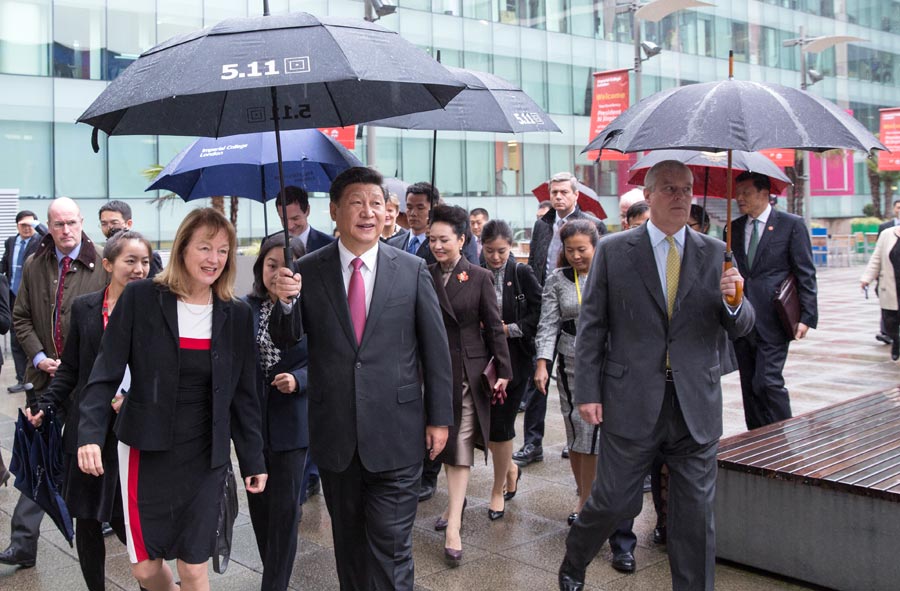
(738, 296)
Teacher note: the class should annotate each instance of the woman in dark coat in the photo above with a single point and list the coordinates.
(281, 386)
(519, 297)
(474, 333)
(189, 346)
(91, 500)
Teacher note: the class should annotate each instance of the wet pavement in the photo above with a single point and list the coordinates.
(522, 551)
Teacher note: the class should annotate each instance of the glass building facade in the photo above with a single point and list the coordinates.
(57, 55)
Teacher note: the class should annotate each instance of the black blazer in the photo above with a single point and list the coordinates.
(285, 423)
(7, 262)
(401, 240)
(314, 241)
(783, 248)
(143, 333)
(542, 234)
(521, 306)
(373, 398)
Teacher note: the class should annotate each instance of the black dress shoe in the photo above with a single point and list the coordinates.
(528, 454)
(13, 557)
(508, 496)
(16, 388)
(570, 579)
(895, 350)
(884, 338)
(571, 518)
(440, 524)
(106, 529)
(522, 406)
(565, 453)
(648, 487)
(495, 515)
(624, 562)
(659, 535)
(426, 492)
(313, 488)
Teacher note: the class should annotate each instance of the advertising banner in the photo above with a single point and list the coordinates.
(346, 136)
(890, 137)
(610, 99)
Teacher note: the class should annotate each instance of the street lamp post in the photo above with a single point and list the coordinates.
(375, 9)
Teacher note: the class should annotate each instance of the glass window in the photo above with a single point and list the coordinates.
(177, 17)
(535, 166)
(526, 13)
(560, 159)
(584, 21)
(558, 16)
(415, 4)
(25, 37)
(449, 167)
(508, 167)
(508, 68)
(477, 61)
(479, 168)
(479, 9)
(706, 35)
(740, 41)
(79, 172)
(129, 156)
(25, 151)
(582, 82)
(534, 81)
(215, 11)
(131, 31)
(559, 88)
(79, 39)
(416, 155)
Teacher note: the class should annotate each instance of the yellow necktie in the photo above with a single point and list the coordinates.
(673, 271)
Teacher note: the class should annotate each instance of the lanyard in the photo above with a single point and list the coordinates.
(105, 307)
(577, 287)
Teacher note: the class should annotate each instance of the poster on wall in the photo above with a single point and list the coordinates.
(610, 99)
(890, 137)
(346, 136)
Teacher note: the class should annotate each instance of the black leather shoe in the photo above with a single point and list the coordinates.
(565, 453)
(509, 495)
(571, 518)
(106, 529)
(13, 557)
(16, 388)
(528, 454)
(570, 579)
(659, 535)
(895, 350)
(624, 562)
(314, 487)
(648, 487)
(495, 515)
(521, 406)
(426, 492)
(883, 337)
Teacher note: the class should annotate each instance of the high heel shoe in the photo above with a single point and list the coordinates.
(895, 350)
(508, 496)
(571, 518)
(4, 477)
(440, 524)
(452, 557)
(495, 515)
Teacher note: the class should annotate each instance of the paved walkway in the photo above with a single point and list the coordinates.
(522, 551)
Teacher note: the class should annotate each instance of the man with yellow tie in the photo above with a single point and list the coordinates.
(647, 370)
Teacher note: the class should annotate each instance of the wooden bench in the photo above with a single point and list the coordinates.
(817, 497)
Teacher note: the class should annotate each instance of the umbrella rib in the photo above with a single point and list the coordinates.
(221, 113)
(333, 102)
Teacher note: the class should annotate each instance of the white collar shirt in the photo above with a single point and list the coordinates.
(367, 270)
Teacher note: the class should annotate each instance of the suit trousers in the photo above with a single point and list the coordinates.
(616, 495)
(275, 515)
(761, 365)
(26, 526)
(535, 410)
(18, 353)
(92, 549)
(372, 515)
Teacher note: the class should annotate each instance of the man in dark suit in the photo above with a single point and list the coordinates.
(542, 255)
(894, 221)
(298, 219)
(654, 300)
(376, 338)
(19, 247)
(769, 245)
(115, 216)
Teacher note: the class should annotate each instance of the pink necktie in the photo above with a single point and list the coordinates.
(356, 297)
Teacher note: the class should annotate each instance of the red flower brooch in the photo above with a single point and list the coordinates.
(462, 277)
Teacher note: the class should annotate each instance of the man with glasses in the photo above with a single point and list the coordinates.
(19, 247)
(115, 216)
(65, 265)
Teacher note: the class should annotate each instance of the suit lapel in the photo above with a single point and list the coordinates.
(168, 301)
(737, 244)
(691, 262)
(441, 291)
(641, 255)
(331, 276)
(454, 284)
(385, 275)
(766, 234)
(509, 290)
(221, 313)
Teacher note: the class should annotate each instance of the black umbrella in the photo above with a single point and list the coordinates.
(268, 73)
(37, 463)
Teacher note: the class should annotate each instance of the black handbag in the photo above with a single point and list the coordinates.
(228, 510)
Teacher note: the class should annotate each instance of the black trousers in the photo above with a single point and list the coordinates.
(761, 364)
(18, 353)
(92, 549)
(275, 515)
(617, 494)
(535, 410)
(26, 526)
(372, 515)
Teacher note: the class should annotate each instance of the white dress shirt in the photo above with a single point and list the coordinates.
(760, 228)
(367, 270)
(661, 250)
(555, 242)
(304, 235)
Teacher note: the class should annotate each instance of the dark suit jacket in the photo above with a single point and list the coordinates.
(7, 263)
(521, 306)
(143, 333)
(474, 334)
(285, 423)
(783, 248)
(368, 398)
(542, 234)
(314, 241)
(401, 240)
(624, 332)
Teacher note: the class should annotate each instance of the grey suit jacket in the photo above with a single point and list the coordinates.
(374, 398)
(624, 333)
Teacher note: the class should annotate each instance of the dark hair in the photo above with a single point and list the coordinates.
(116, 242)
(760, 181)
(356, 174)
(118, 207)
(24, 214)
(294, 195)
(545, 205)
(277, 241)
(636, 209)
(427, 189)
(454, 216)
(699, 214)
(480, 211)
(496, 229)
(569, 229)
(894, 203)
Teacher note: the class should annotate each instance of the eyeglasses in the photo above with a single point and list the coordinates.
(672, 190)
(62, 224)
(112, 224)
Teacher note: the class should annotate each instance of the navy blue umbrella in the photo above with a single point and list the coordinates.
(247, 165)
(37, 462)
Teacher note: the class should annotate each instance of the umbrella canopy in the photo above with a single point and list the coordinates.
(587, 198)
(38, 465)
(734, 115)
(216, 82)
(247, 165)
(488, 103)
(397, 187)
(711, 169)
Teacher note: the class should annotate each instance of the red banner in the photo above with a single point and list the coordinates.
(346, 136)
(779, 156)
(890, 137)
(610, 99)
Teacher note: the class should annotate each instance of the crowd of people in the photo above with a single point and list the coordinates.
(369, 361)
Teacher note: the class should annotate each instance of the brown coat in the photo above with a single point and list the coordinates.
(36, 300)
(468, 303)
